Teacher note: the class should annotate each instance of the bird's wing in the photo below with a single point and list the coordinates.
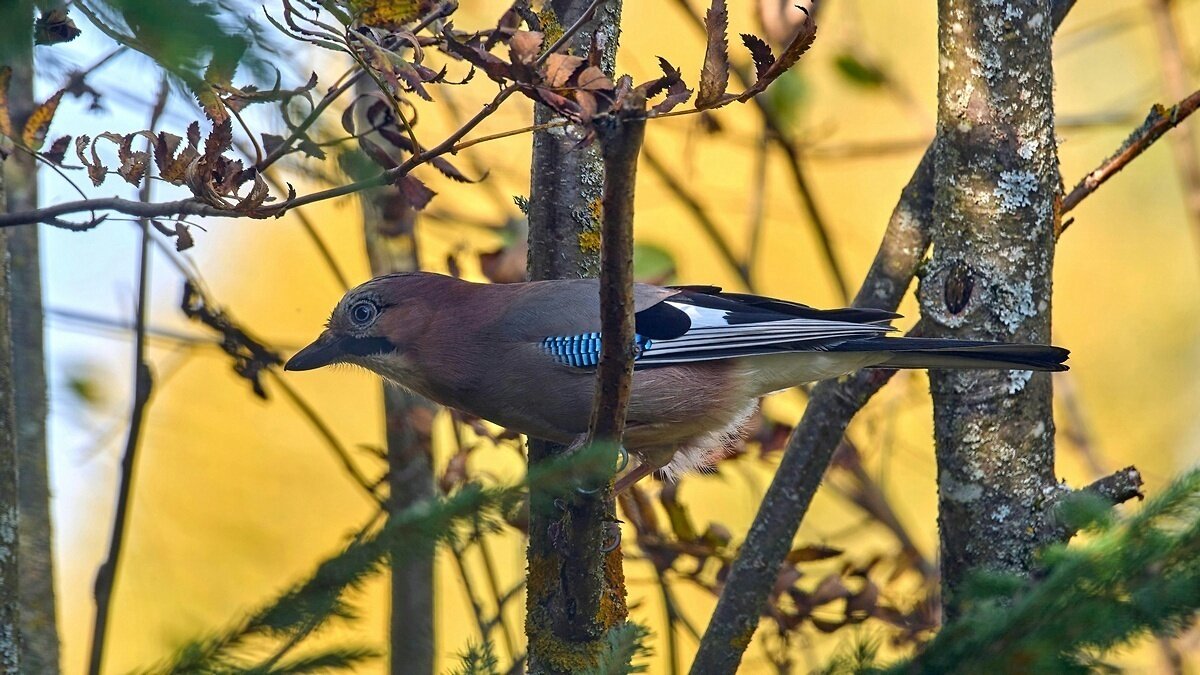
(700, 323)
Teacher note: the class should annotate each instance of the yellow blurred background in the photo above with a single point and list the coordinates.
(238, 498)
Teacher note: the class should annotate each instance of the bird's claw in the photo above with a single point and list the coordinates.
(613, 541)
(622, 462)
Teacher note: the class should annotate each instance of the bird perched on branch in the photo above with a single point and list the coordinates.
(524, 356)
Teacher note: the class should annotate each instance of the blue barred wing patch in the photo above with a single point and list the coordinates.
(583, 351)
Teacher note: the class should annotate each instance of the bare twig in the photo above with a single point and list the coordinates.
(621, 141)
(757, 206)
(368, 487)
(299, 130)
(1158, 122)
(701, 216)
(493, 580)
(783, 140)
(1175, 79)
(1119, 487)
(143, 382)
(1116, 488)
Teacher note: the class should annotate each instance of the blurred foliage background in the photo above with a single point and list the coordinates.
(238, 497)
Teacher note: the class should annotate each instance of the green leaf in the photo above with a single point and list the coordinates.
(787, 96)
(653, 264)
(859, 72)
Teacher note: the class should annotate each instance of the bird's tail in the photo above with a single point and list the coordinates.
(944, 353)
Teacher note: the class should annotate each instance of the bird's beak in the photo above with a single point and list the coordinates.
(325, 350)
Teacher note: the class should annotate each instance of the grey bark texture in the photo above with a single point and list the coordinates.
(575, 589)
(10, 606)
(997, 190)
(39, 633)
(812, 444)
(388, 224)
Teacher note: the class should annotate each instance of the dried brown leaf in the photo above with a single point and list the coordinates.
(376, 153)
(58, 150)
(452, 172)
(259, 194)
(812, 552)
(786, 579)
(96, 170)
(560, 68)
(831, 588)
(220, 139)
(416, 193)
(524, 46)
(801, 42)
(761, 53)
(474, 53)
(172, 167)
(714, 75)
(183, 237)
(38, 124)
(271, 142)
(133, 162)
(214, 107)
(862, 604)
(54, 26)
(677, 94)
(593, 79)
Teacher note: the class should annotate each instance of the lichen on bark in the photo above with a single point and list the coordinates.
(575, 590)
(997, 190)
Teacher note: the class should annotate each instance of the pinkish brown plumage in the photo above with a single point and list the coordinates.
(523, 355)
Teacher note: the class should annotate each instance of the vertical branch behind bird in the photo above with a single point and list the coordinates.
(575, 591)
(391, 246)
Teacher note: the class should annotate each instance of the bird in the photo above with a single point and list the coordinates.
(524, 355)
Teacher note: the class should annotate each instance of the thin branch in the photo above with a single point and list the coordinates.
(1119, 487)
(621, 141)
(193, 207)
(778, 133)
(299, 130)
(757, 206)
(1158, 122)
(701, 216)
(1175, 80)
(339, 451)
(311, 230)
(143, 383)
(1116, 488)
(489, 568)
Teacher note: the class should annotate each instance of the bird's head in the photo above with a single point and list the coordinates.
(375, 325)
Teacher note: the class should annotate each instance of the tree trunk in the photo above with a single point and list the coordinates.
(392, 247)
(10, 606)
(997, 190)
(575, 590)
(39, 634)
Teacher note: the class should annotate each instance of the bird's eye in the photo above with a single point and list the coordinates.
(363, 313)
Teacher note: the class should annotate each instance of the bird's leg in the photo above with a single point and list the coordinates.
(634, 475)
(622, 462)
(649, 461)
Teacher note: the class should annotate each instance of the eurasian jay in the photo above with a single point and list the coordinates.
(524, 355)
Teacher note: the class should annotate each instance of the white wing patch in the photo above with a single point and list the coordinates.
(702, 317)
(711, 336)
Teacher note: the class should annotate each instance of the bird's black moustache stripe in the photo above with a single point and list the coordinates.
(367, 346)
